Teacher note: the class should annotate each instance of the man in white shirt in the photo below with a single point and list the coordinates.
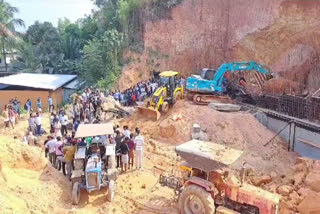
(38, 122)
(139, 143)
(126, 131)
(51, 145)
(50, 104)
(64, 121)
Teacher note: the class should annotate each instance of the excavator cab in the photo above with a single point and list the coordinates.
(208, 74)
(164, 97)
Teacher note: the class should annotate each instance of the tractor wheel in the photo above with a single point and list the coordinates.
(177, 96)
(165, 107)
(111, 189)
(195, 200)
(76, 193)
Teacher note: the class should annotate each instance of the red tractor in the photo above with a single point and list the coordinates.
(207, 185)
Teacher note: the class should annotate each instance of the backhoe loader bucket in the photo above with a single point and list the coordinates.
(149, 113)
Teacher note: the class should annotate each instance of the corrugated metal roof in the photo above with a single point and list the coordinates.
(75, 84)
(43, 81)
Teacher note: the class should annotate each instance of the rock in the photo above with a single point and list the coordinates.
(227, 107)
(272, 188)
(316, 166)
(284, 208)
(313, 181)
(299, 178)
(295, 198)
(258, 181)
(310, 204)
(303, 160)
(143, 186)
(301, 167)
(273, 174)
(285, 190)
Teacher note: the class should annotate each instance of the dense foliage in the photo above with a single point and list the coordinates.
(91, 47)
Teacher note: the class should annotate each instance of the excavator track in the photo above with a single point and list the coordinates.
(205, 99)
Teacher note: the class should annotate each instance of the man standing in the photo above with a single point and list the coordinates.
(38, 124)
(51, 146)
(118, 140)
(126, 131)
(139, 143)
(39, 104)
(50, 103)
(131, 151)
(59, 154)
(30, 104)
(64, 122)
(68, 152)
(124, 154)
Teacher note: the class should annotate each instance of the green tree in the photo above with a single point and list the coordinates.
(26, 60)
(101, 61)
(8, 23)
(47, 46)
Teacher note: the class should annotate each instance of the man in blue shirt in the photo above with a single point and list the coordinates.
(39, 104)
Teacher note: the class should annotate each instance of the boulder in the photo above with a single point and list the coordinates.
(260, 180)
(284, 208)
(313, 181)
(295, 198)
(303, 192)
(226, 107)
(285, 190)
(310, 204)
(302, 160)
(273, 174)
(299, 178)
(301, 167)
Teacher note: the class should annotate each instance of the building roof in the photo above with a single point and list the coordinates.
(42, 81)
(75, 84)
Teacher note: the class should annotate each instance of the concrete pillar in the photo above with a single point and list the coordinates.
(292, 136)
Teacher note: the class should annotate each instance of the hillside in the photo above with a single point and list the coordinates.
(284, 35)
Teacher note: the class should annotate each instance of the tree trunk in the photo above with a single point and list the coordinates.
(4, 55)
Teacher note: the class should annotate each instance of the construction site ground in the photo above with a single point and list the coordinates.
(29, 184)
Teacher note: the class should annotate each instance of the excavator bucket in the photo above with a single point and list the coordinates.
(149, 113)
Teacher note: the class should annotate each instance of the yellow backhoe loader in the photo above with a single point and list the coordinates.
(164, 97)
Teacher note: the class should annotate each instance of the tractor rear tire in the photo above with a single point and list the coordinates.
(111, 189)
(195, 200)
(76, 193)
(165, 107)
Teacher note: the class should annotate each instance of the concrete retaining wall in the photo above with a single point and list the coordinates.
(302, 140)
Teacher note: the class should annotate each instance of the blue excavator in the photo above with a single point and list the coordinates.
(217, 84)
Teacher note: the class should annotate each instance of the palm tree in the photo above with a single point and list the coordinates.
(7, 27)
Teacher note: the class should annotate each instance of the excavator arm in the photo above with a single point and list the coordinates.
(238, 66)
(202, 89)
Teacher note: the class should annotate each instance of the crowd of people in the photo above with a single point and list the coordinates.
(139, 92)
(61, 144)
(11, 113)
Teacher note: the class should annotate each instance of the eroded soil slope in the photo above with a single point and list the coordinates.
(283, 35)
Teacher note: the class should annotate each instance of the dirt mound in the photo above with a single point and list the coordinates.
(28, 184)
(238, 130)
(21, 156)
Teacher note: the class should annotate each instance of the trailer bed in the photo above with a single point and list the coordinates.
(207, 156)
